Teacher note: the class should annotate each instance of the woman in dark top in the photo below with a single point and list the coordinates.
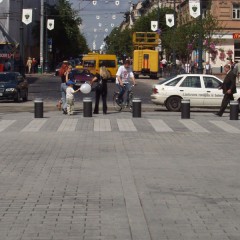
(101, 89)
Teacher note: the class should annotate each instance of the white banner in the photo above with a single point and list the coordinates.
(50, 24)
(170, 20)
(194, 8)
(27, 16)
(154, 25)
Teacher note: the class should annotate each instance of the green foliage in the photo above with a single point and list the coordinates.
(183, 38)
(66, 36)
(119, 42)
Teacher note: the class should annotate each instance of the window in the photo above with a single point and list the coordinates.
(107, 63)
(191, 81)
(211, 82)
(237, 50)
(89, 63)
(174, 82)
(236, 11)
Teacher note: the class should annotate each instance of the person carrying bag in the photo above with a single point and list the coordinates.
(101, 89)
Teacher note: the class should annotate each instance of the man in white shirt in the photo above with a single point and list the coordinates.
(123, 79)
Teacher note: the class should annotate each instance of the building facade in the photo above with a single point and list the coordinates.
(227, 12)
(10, 25)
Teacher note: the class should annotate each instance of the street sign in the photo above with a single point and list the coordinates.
(236, 35)
(170, 20)
(27, 16)
(194, 8)
(154, 25)
(50, 24)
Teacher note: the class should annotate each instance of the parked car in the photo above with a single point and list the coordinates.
(82, 75)
(70, 62)
(202, 90)
(13, 86)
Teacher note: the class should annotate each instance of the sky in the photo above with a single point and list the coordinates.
(100, 17)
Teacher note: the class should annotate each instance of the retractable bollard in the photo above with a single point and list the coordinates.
(185, 106)
(38, 108)
(234, 108)
(137, 106)
(87, 107)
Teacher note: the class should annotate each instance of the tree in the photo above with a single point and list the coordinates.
(119, 42)
(66, 36)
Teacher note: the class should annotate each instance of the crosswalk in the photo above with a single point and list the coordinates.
(121, 125)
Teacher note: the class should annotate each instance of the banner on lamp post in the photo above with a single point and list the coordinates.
(194, 8)
(50, 24)
(170, 20)
(27, 16)
(154, 25)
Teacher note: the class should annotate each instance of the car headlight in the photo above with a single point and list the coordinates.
(10, 89)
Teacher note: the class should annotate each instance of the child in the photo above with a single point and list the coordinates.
(70, 97)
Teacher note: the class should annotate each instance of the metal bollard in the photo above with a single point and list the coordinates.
(185, 106)
(38, 108)
(87, 107)
(136, 111)
(234, 108)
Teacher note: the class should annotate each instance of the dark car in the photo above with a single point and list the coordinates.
(82, 75)
(13, 86)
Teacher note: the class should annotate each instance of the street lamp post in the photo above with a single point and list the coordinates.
(46, 67)
(200, 42)
(41, 34)
(21, 43)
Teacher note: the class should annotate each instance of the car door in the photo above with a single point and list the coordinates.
(213, 95)
(191, 88)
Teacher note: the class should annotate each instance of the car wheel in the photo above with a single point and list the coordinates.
(18, 97)
(174, 104)
(25, 98)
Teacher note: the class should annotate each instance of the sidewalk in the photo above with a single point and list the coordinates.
(112, 176)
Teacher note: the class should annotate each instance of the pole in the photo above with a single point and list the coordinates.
(22, 58)
(174, 66)
(41, 34)
(46, 41)
(200, 42)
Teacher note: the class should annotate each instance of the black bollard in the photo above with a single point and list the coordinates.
(38, 108)
(87, 107)
(185, 107)
(136, 111)
(234, 108)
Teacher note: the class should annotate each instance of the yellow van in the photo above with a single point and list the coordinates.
(93, 61)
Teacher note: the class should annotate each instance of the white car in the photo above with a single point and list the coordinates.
(202, 91)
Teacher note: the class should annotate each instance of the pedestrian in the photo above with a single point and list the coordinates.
(228, 87)
(62, 74)
(70, 97)
(101, 89)
(7, 65)
(208, 68)
(29, 65)
(123, 77)
(34, 65)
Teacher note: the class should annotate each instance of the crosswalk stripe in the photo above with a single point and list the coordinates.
(102, 125)
(34, 125)
(226, 127)
(68, 125)
(126, 125)
(193, 126)
(5, 124)
(159, 125)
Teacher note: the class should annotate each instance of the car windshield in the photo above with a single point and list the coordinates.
(166, 79)
(7, 78)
